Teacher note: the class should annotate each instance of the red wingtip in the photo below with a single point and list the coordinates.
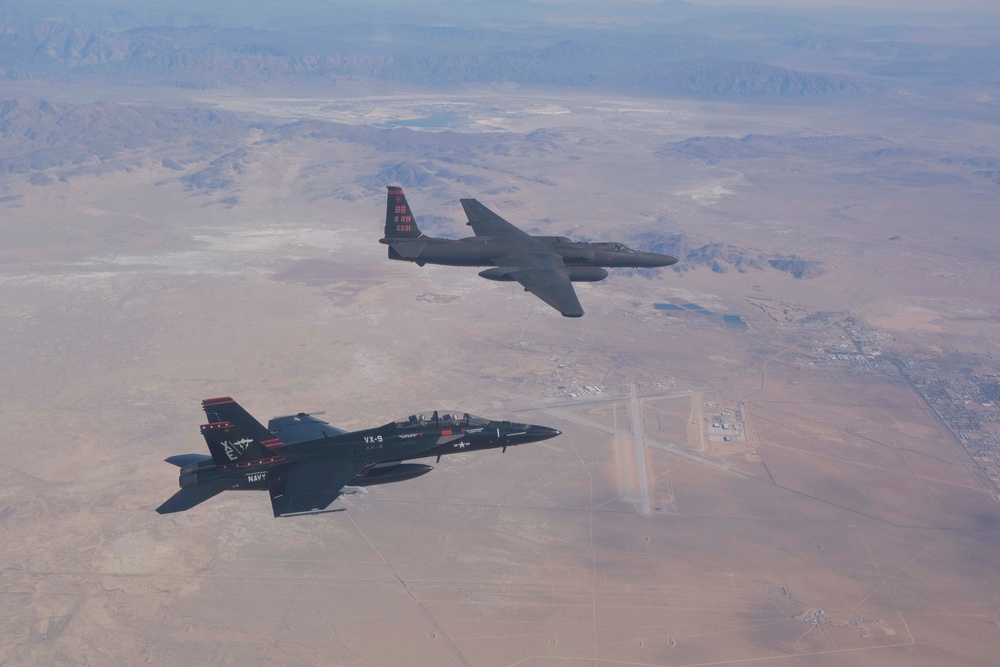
(208, 402)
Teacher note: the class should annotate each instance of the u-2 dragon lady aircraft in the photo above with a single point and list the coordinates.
(546, 266)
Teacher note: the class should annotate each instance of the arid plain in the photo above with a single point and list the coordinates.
(782, 494)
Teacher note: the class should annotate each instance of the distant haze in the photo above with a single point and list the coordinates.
(990, 6)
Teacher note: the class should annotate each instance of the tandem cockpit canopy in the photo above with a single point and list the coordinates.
(442, 419)
(614, 247)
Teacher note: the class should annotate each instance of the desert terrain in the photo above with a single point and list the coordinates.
(802, 471)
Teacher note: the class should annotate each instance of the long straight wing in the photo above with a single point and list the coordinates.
(544, 275)
(311, 487)
(485, 222)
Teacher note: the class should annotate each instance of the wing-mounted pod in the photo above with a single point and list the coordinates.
(501, 274)
(586, 274)
(577, 274)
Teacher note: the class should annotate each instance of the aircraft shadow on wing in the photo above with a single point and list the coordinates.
(546, 266)
(305, 464)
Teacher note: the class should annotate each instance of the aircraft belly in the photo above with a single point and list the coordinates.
(405, 450)
(463, 254)
(396, 473)
(463, 444)
(251, 486)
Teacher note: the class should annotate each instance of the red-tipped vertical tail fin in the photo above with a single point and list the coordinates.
(399, 220)
(230, 446)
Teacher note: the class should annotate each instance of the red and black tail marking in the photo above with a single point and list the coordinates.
(399, 220)
(230, 446)
(225, 409)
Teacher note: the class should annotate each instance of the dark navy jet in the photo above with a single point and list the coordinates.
(305, 464)
(546, 266)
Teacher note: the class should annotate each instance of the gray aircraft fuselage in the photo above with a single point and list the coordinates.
(481, 251)
(546, 266)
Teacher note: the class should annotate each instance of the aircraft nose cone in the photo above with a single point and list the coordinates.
(662, 260)
(542, 432)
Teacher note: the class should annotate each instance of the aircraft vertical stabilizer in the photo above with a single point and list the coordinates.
(231, 446)
(225, 409)
(399, 220)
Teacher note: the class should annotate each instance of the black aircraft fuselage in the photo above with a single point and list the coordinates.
(544, 265)
(305, 463)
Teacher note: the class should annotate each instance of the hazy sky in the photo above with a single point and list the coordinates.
(992, 6)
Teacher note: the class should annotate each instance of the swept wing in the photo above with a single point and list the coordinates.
(544, 275)
(311, 487)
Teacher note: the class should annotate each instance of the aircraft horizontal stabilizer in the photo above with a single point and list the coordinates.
(190, 496)
(406, 250)
(181, 460)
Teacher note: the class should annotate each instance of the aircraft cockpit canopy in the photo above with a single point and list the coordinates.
(442, 420)
(614, 247)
